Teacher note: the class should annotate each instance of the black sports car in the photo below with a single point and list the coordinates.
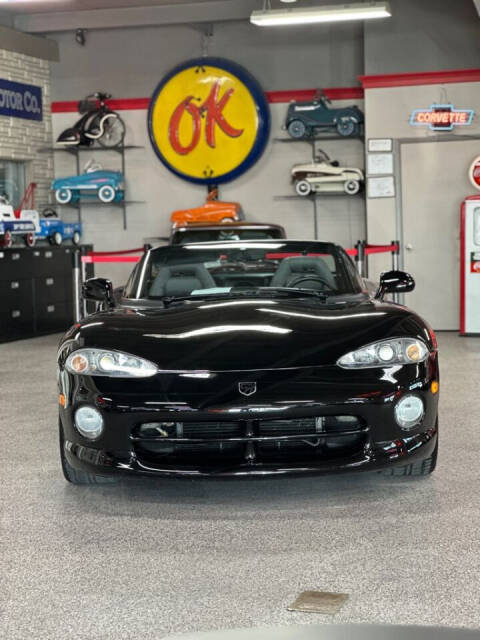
(247, 358)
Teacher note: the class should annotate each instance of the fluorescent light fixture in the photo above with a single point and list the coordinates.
(314, 15)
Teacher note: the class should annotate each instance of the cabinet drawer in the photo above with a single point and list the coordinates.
(15, 263)
(50, 288)
(16, 322)
(54, 316)
(14, 290)
(49, 262)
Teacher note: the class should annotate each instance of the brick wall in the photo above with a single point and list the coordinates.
(20, 139)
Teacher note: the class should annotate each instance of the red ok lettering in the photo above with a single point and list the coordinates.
(212, 108)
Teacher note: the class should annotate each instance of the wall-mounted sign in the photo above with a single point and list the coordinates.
(208, 120)
(380, 144)
(441, 117)
(379, 163)
(19, 100)
(383, 187)
(474, 173)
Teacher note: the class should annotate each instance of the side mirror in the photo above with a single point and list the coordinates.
(394, 282)
(100, 290)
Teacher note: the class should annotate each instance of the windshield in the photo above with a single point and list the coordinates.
(185, 236)
(230, 268)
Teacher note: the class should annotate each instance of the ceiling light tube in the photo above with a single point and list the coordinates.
(314, 15)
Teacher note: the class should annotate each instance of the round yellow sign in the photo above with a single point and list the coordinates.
(208, 121)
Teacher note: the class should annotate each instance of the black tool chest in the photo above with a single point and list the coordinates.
(36, 292)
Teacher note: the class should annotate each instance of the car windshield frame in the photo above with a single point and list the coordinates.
(135, 289)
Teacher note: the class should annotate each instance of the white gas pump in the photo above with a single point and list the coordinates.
(470, 266)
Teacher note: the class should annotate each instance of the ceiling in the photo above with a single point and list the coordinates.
(46, 6)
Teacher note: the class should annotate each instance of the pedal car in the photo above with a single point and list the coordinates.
(107, 186)
(11, 227)
(305, 119)
(213, 211)
(326, 176)
(51, 228)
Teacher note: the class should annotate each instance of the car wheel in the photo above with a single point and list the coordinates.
(63, 196)
(421, 468)
(106, 193)
(30, 239)
(351, 187)
(57, 238)
(297, 129)
(303, 188)
(76, 238)
(7, 240)
(346, 127)
(75, 476)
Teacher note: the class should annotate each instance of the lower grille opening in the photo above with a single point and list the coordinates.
(220, 443)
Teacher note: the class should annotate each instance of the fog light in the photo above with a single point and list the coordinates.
(409, 411)
(89, 422)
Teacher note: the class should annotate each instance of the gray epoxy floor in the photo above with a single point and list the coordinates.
(147, 558)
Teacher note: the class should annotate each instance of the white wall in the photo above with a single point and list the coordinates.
(339, 219)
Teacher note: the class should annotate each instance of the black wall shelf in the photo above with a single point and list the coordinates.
(75, 151)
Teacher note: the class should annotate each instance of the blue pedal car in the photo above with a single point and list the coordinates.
(304, 119)
(52, 228)
(107, 186)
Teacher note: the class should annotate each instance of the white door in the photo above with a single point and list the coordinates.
(434, 184)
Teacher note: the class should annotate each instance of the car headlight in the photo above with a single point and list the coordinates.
(385, 353)
(101, 362)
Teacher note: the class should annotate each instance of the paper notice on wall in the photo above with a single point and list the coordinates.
(383, 187)
(379, 163)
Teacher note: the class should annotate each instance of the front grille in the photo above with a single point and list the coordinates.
(248, 441)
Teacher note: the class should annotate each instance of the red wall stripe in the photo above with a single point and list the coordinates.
(424, 77)
(127, 104)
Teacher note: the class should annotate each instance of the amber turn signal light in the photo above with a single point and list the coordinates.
(434, 386)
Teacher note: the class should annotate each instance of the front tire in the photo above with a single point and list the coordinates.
(106, 194)
(113, 133)
(75, 476)
(30, 239)
(57, 238)
(352, 187)
(346, 127)
(303, 188)
(76, 238)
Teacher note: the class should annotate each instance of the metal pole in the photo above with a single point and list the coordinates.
(360, 257)
(365, 259)
(83, 278)
(395, 254)
(76, 274)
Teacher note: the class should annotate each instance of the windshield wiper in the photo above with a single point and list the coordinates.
(297, 292)
(280, 291)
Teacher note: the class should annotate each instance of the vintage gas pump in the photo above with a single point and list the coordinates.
(470, 266)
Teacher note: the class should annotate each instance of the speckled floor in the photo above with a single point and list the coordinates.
(147, 558)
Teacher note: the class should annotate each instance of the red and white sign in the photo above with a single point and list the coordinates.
(474, 173)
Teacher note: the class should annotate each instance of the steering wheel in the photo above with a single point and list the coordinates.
(294, 282)
(49, 213)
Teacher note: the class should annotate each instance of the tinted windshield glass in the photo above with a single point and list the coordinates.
(218, 268)
(185, 236)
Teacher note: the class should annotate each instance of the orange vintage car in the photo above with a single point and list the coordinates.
(213, 211)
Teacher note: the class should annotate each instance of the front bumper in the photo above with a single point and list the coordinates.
(245, 440)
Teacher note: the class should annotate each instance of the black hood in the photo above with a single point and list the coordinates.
(221, 335)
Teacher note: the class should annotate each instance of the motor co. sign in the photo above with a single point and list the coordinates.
(208, 120)
(19, 100)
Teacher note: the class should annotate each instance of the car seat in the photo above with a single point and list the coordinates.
(181, 280)
(291, 268)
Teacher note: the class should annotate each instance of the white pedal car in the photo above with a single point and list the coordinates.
(326, 176)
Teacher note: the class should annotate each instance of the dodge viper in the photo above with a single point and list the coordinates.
(247, 358)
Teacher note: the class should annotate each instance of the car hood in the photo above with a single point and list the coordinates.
(247, 334)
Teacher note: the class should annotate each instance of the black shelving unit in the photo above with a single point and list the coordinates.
(313, 197)
(76, 151)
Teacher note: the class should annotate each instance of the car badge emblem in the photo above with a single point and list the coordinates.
(247, 388)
